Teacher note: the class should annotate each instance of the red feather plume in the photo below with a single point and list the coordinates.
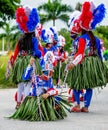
(21, 19)
(86, 16)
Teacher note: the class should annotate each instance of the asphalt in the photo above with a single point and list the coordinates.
(96, 119)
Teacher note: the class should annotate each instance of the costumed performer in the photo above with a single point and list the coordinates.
(44, 103)
(27, 46)
(87, 68)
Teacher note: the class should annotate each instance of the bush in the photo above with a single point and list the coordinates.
(4, 83)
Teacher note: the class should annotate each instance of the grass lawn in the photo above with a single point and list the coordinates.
(4, 83)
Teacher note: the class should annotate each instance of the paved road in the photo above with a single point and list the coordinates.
(96, 119)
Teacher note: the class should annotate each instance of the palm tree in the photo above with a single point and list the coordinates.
(53, 10)
(78, 6)
(11, 34)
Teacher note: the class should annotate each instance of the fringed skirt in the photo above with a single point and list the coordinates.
(91, 73)
(20, 65)
(50, 109)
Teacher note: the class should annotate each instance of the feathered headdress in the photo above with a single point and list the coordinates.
(54, 30)
(88, 18)
(73, 22)
(91, 15)
(27, 19)
(98, 15)
(47, 61)
(61, 41)
(47, 36)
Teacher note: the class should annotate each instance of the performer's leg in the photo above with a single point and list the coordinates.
(87, 100)
(77, 99)
(20, 91)
(19, 94)
(27, 87)
(77, 96)
(88, 97)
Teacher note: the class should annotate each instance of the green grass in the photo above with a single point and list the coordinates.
(4, 83)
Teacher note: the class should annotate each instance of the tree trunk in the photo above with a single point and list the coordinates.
(8, 46)
(3, 44)
(53, 22)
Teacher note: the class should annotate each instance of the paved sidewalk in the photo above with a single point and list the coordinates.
(96, 119)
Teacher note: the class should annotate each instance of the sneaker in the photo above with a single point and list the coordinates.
(84, 109)
(76, 109)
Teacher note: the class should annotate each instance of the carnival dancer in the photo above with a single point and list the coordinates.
(74, 36)
(47, 38)
(27, 46)
(55, 40)
(87, 68)
(61, 56)
(44, 103)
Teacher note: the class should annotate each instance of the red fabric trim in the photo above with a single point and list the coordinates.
(16, 97)
(13, 57)
(50, 89)
(16, 52)
(81, 48)
(55, 63)
(41, 48)
(64, 57)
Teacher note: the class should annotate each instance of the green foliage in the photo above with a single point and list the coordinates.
(11, 35)
(102, 33)
(78, 6)
(53, 10)
(4, 83)
(7, 10)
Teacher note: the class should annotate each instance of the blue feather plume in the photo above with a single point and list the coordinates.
(55, 34)
(33, 20)
(43, 37)
(99, 15)
(52, 30)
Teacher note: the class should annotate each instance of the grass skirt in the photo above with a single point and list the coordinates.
(91, 73)
(51, 109)
(20, 65)
(59, 69)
